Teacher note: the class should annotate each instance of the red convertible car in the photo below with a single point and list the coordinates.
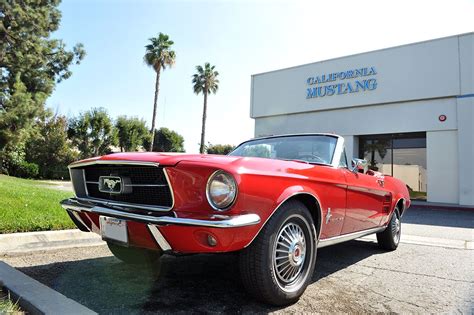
(276, 200)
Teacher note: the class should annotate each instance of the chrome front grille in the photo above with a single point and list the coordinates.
(146, 185)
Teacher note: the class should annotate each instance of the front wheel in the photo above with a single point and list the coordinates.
(390, 237)
(134, 256)
(277, 267)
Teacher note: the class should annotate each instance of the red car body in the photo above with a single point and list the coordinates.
(344, 203)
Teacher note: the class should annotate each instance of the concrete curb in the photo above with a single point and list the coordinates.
(17, 243)
(36, 298)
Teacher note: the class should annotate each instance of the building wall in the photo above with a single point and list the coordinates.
(465, 143)
(417, 71)
(465, 111)
(416, 84)
(442, 163)
(376, 119)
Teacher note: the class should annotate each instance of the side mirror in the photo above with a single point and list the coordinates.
(359, 166)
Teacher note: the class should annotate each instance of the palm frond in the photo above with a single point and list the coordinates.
(158, 53)
(205, 79)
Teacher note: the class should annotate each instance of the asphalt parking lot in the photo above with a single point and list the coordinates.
(430, 272)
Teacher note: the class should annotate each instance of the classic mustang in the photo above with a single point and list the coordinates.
(275, 199)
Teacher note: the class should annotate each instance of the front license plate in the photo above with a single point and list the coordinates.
(113, 229)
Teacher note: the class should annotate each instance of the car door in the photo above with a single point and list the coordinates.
(366, 201)
(332, 192)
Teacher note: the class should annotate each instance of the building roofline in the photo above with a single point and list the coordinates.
(362, 53)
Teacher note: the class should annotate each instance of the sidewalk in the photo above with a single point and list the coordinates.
(439, 206)
(17, 243)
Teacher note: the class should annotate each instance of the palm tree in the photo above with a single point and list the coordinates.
(205, 81)
(158, 56)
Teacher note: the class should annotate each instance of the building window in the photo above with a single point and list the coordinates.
(400, 155)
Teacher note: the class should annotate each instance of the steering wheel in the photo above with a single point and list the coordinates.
(313, 157)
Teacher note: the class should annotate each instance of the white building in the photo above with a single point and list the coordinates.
(408, 110)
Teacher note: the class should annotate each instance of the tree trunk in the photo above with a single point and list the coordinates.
(203, 132)
(155, 103)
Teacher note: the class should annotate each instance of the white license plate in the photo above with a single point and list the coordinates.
(113, 229)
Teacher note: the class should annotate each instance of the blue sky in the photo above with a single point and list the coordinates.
(240, 38)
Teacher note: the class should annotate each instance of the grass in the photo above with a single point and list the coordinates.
(29, 205)
(420, 195)
(7, 306)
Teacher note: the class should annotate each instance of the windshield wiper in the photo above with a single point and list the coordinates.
(306, 162)
(296, 160)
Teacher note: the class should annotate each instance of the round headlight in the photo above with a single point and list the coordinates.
(221, 190)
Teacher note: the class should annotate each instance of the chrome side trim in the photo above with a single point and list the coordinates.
(159, 238)
(215, 221)
(348, 237)
(281, 203)
(124, 162)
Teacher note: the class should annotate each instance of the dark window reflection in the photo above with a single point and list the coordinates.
(400, 155)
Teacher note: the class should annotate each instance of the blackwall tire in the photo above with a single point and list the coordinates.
(134, 256)
(390, 237)
(278, 266)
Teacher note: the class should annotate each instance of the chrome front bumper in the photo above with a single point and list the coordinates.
(214, 221)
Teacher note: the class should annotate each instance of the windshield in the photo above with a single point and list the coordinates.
(317, 149)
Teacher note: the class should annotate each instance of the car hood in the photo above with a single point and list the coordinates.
(165, 159)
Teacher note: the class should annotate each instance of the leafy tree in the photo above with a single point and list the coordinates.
(205, 81)
(27, 49)
(222, 149)
(379, 146)
(31, 63)
(26, 46)
(158, 56)
(92, 132)
(167, 140)
(17, 116)
(131, 133)
(49, 147)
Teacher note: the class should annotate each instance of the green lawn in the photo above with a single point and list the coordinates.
(28, 205)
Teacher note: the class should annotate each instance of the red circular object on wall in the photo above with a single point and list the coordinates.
(442, 118)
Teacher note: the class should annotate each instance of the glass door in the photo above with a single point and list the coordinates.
(400, 155)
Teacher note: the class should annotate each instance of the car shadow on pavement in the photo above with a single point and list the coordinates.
(198, 283)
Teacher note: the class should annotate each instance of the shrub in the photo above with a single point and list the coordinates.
(222, 149)
(13, 163)
(26, 170)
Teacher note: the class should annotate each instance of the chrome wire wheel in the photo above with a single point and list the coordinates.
(291, 255)
(396, 228)
(277, 267)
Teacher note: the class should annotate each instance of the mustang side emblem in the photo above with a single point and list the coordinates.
(328, 216)
(110, 184)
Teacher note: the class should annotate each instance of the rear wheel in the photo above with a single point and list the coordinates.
(390, 237)
(277, 267)
(134, 256)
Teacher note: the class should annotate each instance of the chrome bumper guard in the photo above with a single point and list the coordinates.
(214, 221)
